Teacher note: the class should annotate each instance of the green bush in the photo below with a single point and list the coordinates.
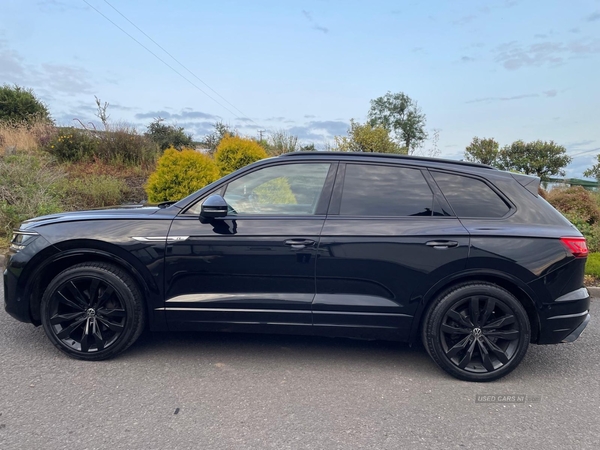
(122, 144)
(19, 104)
(592, 266)
(575, 202)
(179, 174)
(28, 188)
(118, 145)
(167, 136)
(581, 208)
(234, 152)
(73, 144)
(94, 191)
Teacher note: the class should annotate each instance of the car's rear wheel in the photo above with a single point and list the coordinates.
(477, 332)
(92, 311)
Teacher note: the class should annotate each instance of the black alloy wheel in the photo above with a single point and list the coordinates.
(92, 311)
(477, 332)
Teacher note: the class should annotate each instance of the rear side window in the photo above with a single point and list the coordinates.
(470, 197)
(372, 190)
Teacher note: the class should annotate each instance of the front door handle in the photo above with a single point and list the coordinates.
(299, 244)
(440, 245)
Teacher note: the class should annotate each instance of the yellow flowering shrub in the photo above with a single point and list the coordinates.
(235, 152)
(179, 174)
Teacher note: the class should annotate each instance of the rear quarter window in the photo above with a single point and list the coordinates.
(470, 197)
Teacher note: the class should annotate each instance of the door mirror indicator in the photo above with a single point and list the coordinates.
(214, 207)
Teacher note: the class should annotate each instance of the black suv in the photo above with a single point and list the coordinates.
(467, 258)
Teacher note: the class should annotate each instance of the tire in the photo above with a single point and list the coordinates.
(476, 331)
(92, 311)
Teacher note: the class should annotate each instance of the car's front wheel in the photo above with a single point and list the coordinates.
(92, 311)
(477, 331)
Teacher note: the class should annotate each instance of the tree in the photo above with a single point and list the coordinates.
(367, 138)
(211, 141)
(281, 142)
(540, 158)
(18, 104)
(168, 135)
(400, 115)
(308, 148)
(484, 151)
(235, 152)
(594, 171)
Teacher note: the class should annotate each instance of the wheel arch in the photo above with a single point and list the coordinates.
(77, 252)
(513, 285)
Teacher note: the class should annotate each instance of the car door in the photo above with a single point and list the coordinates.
(388, 237)
(253, 270)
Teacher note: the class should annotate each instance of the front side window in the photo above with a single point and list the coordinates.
(372, 190)
(470, 197)
(292, 189)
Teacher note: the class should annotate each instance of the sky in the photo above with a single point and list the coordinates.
(502, 69)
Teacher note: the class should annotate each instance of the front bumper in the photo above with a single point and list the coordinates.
(15, 304)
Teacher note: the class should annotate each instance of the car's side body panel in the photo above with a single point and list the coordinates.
(244, 272)
(372, 273)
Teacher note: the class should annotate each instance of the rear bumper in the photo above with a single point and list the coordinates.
(565, 319)
(575, 334)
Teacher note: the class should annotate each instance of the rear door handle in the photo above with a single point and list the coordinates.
(442, 244)
(299, 243)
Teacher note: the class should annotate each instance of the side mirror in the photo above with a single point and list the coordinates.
(213, 207)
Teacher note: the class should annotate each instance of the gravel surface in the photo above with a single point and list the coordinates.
(222, 391)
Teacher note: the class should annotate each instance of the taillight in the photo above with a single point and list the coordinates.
(576, 245)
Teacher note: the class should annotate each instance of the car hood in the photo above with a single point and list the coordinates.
(121, 212)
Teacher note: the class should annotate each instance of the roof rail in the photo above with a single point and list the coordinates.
(387, 155)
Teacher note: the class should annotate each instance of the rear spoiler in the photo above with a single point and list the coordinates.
(529, 182)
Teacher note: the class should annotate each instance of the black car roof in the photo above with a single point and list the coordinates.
(398, 158)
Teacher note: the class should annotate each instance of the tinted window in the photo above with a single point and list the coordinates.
(371, 190)
(289, 189)
(470, 197)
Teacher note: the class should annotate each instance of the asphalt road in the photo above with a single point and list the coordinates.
(216, 391)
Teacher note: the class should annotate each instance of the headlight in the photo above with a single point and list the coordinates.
(20, 239)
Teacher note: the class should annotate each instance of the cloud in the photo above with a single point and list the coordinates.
(320, 28)
(579, 145)
(514, 56)
(243, 119)
(593, 17)
(551, 93)
(11, 64)
(320, 131)
(465, 20)
(315, 26)
(466, 59)
(46, 79)
(121, 107)
(275, 119)
(67, 79)
(185, 114)
(580, 164)
(502, 99)
(309, 116)
(197, 129)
